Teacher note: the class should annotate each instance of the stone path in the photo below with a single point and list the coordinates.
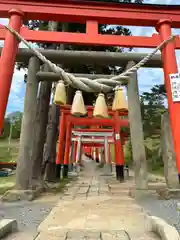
(28, 215)
(95, 207)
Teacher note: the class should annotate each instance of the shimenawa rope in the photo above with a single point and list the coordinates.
(85, 84)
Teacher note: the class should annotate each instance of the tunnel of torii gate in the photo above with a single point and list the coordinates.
(162, 17)
(67, 121)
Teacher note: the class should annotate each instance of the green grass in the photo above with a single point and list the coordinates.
(8, 152)
(159, 171)
(127, 155)
(6, 183)
(112, 152)
(153, 155)
(5, 142)
(8, 155)
(62, 185)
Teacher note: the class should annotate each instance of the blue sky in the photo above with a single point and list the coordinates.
(147, 77)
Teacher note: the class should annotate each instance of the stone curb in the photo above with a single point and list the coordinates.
(7, 226)
(162, 229)
(178, 206)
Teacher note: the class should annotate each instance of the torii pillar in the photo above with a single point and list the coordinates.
(136, 132)
(25, 162)
(8, 59)
(170, 67)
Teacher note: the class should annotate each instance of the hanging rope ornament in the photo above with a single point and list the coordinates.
(119, 102)
(78, 108)
(60, 94)
(100, 108)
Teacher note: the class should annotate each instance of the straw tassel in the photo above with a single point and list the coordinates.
(78, 108)
(119, 102)
(100, 108)
(60, 94)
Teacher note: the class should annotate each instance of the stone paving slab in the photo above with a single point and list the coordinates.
(84, 234)
(21, 236)
(100, 209)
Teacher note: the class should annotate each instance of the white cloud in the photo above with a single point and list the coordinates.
(147, 77)
(16, 97)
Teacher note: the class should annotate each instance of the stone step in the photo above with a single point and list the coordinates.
(90, 235)
(123, 208)
(119, 235)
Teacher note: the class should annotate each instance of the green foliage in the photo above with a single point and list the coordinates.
(16, 130)
(6, 183)
(13, 121)
(128, 153)
(8, 154)
(152, 106)
(6, 129)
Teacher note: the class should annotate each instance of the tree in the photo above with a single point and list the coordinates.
(153, 106)
(6, 129)
(15, 119)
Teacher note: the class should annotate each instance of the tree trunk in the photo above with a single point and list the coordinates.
(24, 162)
(136, 132)
(50, 145)
(40, 130)
(49, 157)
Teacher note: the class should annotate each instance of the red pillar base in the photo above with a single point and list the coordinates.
(65, 170)
(120, 173)
(58, 171)
(179, 178)
(118, 150)
(97, 159)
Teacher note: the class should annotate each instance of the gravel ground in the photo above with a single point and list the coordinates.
(28, 214)
(166, 209)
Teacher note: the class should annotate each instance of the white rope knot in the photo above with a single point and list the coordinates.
(86, 84)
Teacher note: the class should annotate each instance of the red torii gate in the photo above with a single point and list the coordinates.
(92, 13)
(65, 127)
(87, 146)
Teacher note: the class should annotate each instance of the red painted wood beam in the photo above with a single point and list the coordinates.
(89, 107)
(81, 11)
(98, 138)
(92, 130)
(123, 134)
(97, 144)
(90, 144)
(67, 108)
(110, 113)
(96, 121)
(89, 39)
